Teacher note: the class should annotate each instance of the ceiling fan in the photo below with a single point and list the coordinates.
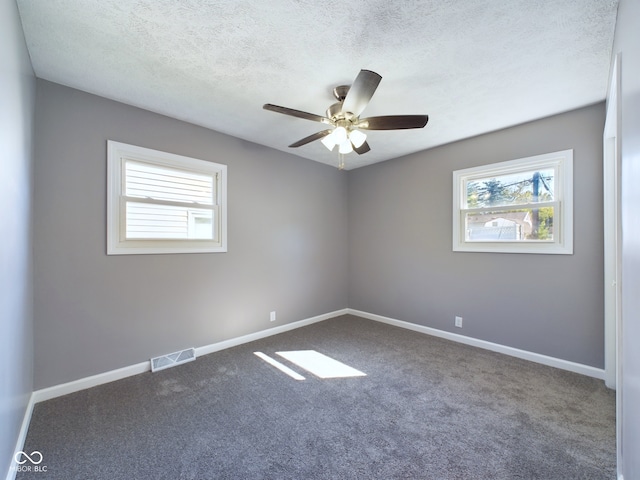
(344, 117)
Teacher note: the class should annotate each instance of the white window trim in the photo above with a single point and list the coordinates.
(117, 244)
(563, 241)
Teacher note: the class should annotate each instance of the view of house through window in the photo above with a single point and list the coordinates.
(518, 206)
(161, 202)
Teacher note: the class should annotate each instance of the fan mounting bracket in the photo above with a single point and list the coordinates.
(340, 92)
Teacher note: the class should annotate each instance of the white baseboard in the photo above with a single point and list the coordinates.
(22, 436)
(494, 347)
(234, 342)
(92, 381)
(113, 375)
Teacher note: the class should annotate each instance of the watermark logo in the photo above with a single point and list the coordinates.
(29, 462)
(22, 457)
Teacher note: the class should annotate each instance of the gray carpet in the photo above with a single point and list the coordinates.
(427, 408)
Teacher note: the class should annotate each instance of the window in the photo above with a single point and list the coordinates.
(163, 203)
(519, 206)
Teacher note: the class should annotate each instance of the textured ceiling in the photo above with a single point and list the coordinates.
(473, 66)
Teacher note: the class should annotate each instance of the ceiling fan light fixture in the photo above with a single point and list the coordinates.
(329, 141)
(357, 138)
(340, 134)
(346, 147)
(345, 125)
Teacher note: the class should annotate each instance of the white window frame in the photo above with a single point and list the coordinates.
(117, 243)
(562, 243)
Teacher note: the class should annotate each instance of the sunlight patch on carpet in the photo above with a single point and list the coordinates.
(320, 365)
(279, 366)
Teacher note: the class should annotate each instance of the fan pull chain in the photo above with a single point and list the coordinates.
(340, 161)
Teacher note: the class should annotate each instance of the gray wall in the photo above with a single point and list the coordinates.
(287, 243)
(401, 263)
(627, 43)
(17, 96)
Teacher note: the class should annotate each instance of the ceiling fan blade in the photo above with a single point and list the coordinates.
(361, 92)
(364, 148)
(311, 138)
(296, 113)
(393, 122)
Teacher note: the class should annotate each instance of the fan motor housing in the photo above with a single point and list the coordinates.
(334, 110)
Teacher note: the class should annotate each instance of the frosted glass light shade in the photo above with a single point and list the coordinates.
(340, 134)
(345, 147)
(329, 141)
(357, 138)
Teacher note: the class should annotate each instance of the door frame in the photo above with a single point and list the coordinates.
(613, 248)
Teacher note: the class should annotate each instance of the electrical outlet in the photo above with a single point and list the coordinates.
(272, 316)
(459, 322)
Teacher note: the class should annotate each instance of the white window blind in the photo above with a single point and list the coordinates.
(164, 203)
